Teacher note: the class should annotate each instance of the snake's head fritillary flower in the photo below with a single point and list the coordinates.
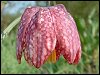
(45, 33)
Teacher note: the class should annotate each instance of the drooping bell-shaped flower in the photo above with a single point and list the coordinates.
(45, 33)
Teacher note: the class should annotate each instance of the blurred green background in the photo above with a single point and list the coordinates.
(86, 15)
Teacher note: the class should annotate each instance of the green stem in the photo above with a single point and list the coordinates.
(54, 2)
(49, 3)
(10, 27)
